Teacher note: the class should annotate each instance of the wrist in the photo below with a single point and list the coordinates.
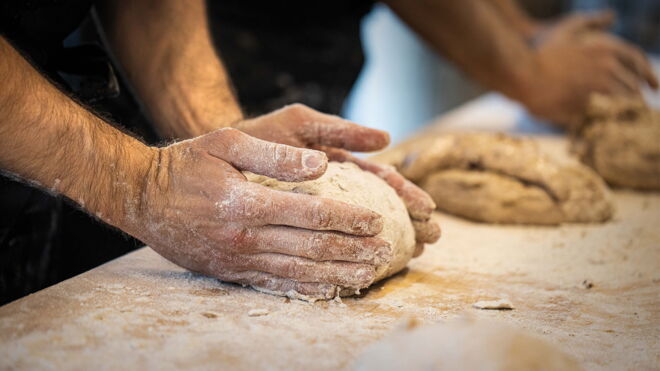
(107, 173)
(523, 82)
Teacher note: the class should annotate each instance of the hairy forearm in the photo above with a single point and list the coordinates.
(165, 50)
(473, 35)
(47, 138)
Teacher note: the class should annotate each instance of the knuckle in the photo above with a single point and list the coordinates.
(320, 216)
(315, 246)
(247, 205)
(283, 154)
(237, 239)
(228, 133)
(298, 107)
(242, 238)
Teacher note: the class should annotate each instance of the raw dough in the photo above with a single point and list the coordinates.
(499, 179)
(621, 141)
(463, 345)
(348, 183)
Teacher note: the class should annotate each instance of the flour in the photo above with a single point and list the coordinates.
(348, 183)
(465, 344)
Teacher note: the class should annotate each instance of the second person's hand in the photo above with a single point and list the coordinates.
(576, 57)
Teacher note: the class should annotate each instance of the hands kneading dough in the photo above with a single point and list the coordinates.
(199, 210)
(347, 183)
(499, 179)
(621, 140)
(300, 126)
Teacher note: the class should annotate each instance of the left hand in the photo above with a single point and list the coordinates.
(576, 57)
(300, 126)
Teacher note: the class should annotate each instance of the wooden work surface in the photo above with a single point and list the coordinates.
(594, 291)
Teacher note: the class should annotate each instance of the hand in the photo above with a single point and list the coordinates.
(419, 203)
(199, 211)
(300, 126)
(575, 58)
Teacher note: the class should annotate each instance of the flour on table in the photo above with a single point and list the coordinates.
(463, 345)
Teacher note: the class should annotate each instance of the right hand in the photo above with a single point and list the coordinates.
(199, 211)
(574, 58)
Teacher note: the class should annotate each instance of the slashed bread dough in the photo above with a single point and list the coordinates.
(620, 139)
(348, 183)
(496, 178)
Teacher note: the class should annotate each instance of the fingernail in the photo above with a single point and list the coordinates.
(312, 160)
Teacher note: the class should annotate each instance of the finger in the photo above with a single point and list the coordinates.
(274, 284)
(419, 204)
(628, 81)
(318, 246)
(261, 206)
(635, 59)
(327, 130)
(426, 232)
(305, 270)
(580, 22)
(419, 249)
(601, 20)
(261, 157)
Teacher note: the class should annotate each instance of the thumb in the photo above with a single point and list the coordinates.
(279, 161)
(320, 129)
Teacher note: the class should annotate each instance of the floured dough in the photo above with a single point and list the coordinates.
(499, 179)
(621, 141)
(464, 345)
(348, 183)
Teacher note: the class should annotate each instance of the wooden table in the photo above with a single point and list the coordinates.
(593, 290)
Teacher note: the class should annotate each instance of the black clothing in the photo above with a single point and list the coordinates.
(279, 53)
(305, 51)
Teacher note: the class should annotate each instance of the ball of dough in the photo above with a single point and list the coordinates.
(348, 183)
(620, 141)
(496, 178)
(463, 345)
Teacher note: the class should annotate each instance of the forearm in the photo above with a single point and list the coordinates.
(516, 17)
(474, 36)
(165, 49)
(47, 138)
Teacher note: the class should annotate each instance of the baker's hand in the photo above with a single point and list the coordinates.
(199, 211)
(576, 57)
(419, 203)
(300, 126)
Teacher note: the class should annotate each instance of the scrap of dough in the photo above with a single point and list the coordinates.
(258, 312)
(500, 179)
(501, 304)
(621, 141)
(348, 183)
(463, 345)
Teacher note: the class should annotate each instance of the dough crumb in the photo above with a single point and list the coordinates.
(258, 312)
(501, 304)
